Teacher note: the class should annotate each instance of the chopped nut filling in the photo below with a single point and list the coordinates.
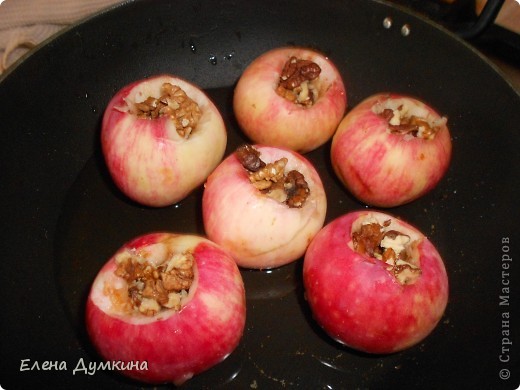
(173, 102)
(271, 179)
(296, 81)
(390, 246)
(401, 120)
(155, 288)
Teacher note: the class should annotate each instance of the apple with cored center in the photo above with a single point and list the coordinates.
(161, 137)
(174, 303)
(264, 205)
(374, 282)
(391, 149)
(290, 97)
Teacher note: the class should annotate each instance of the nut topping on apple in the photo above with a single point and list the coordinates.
(290, 97)
(374, 282)
(271, 179)
(296, 81)
(391, 149)
(161, 137)
(176, 302)
(153, 287)
(390, 246)
(263, 204)
(404, 118)
(174, 103)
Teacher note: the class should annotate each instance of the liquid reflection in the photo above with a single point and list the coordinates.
(272, 283)
(331, 362)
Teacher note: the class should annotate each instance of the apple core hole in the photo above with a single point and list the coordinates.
(271, 178)
(386, 241)
(152, 285)
(299, 81)
(409, 118)
(169, 100)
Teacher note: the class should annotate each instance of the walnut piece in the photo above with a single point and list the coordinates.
(296, 188)
(249, 157)
(296, 81)
(155, 288)
(173, 102)
(270, 178)
(400, 121)
(389, 246)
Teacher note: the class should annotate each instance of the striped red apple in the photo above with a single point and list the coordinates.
(291, 97)
(263, 228)
(391, 149)
(173, 305)
(161, 137)
(374, 282)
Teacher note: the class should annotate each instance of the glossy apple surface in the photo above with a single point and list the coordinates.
(269, 119)
(358, 299)
(175, 344)
(147, 158)
(260, 232)
(383, 167)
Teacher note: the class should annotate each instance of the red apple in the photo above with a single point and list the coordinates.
(297, 106)
(264, 223)
(175, 303)
(391, 149)
(161, 137)
(374, 282)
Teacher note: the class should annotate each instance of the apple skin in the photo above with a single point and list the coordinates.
(258, 231)
(147, 159)
(383, 169)
(269, 119)
(175, 345)
(359, 303)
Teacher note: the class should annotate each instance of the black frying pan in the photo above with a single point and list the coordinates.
(62, 217)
